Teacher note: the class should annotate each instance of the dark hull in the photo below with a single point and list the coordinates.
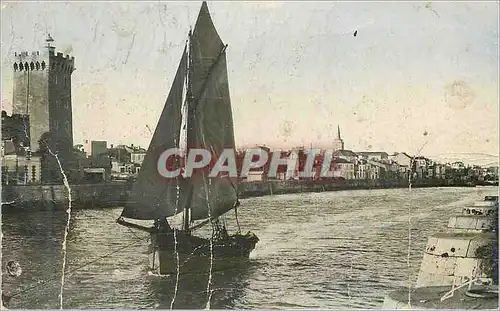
(195, 254)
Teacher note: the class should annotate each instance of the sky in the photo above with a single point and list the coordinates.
(419, 77)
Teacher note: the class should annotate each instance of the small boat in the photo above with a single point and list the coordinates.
(199, 99)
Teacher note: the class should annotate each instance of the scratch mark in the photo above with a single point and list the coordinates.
(95, 30)
(66, 229)
(176, 252)
(409, 223)
(129, 49)
(348, 287)
(428, 6)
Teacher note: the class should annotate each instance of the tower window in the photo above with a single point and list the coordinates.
(21, 67)
(26, 66)
(43, 65)
(32, 66)
(15, 67)
(37, 66)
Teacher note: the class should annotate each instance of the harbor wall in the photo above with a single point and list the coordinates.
(258, 188)
(116, 194)
(55, 196)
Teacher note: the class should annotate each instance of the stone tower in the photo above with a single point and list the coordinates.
(42, 92)
(338, 143)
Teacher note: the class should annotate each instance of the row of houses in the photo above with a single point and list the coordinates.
(119, 162)
(347, 164)
(22, 167)
(124, 162)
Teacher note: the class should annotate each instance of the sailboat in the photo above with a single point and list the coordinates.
(197, 114)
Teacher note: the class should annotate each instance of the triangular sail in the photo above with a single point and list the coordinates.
(153, 196)
(204, 49)
(215, 132)
(211, 124)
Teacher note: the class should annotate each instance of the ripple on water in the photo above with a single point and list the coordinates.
(342, 249)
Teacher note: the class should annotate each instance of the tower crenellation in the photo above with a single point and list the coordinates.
(24, 61)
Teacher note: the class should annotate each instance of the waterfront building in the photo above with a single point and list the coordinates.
(376, 169)
(13, 130)
(401, 158)
(373, 155)
(137, 156)
(458, 165)
(285, 171)
(403, 171)
(361, 169)
(98, 147)
(121, 153)
(347, 155)
(254, 176)
(42, 100)
(422, 166)
(292, 169)
(344, 169)
(20, 169)
(491, 173)
(8, 147)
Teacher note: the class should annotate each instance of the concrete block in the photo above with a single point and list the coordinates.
(484, 223)
(465, 267)
(449, 245)
(438, 265)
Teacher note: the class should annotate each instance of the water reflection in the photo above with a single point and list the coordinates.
(228, 287)
(342, 249)
(33, 238)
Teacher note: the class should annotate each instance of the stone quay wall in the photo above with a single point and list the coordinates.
(116, 194)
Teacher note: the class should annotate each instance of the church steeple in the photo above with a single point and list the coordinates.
(338, 143)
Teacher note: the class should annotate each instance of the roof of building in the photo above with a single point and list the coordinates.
(403, 153)
(339, 160)
(345, 153)
(124, 147)
(139, 150)
(373, 153)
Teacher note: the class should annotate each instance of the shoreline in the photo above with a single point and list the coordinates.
(20, 198)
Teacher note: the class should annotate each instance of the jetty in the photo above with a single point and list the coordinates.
(459, 268)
